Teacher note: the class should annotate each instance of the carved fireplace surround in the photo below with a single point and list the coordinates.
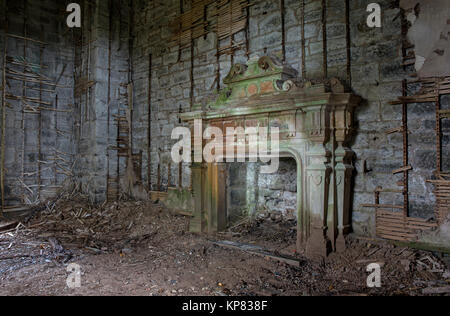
(316, 125)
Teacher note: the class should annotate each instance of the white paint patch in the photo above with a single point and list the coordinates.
(411, 17)
(420, 61)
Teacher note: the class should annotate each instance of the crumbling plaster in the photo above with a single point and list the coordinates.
(429, 32)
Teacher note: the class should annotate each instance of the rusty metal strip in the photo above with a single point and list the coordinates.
(303, 39)
(438, 133)
(3, 139)
(349, 45)
(109, 99)
(24, 96)
(324, 36)
(247, 34)
(39, 166)
(149, 127)
(405, 151)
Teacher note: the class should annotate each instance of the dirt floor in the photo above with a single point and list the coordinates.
(135, 248)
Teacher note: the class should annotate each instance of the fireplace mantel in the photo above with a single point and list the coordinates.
(315, 118)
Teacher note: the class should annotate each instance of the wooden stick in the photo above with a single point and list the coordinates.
(394, 130)
(405, 150)
(13, 61)
(159, 178)
(25, 105)
(283, 29)
(303, 39)
(36, 82)
(349, 42)
(27, 39)
(2, 158)
(108, 189)
(382, 206)
(404, 169)
(324, 39)
(149, 127)
(39, 136)
(24, 98)
(169, 176)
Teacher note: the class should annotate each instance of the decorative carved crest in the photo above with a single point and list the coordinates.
(266, 75)
(236, 71)
(260, 76)
(257, 68)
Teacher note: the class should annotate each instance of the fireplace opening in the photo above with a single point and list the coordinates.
(263, 207)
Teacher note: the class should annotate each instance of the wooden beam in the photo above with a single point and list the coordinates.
(27, 39)
(149, 127)
(283, 29)
(2, 150)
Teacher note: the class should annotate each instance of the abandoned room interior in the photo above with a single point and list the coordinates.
(337, 165)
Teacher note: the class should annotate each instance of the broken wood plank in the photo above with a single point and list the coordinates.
(404, 169)
(7, 226)
(394, 130)
(186, 214)
(258, 251)
(437, 290)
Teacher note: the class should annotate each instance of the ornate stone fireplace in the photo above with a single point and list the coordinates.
(316, 125)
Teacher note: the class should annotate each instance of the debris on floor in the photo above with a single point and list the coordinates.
(136, 248)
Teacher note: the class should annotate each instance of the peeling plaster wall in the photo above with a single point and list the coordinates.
(438, 238)
(430, 32)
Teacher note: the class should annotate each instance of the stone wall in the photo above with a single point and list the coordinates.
(377, 76)
(373, 69)
(103, 58)
(39, 147)
(125, 41)
(84, 131)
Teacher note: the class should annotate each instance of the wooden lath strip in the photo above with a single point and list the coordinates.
(442, 193)
(232, 17)
(3, 138)
(191, 25)
(396, 226)
(26, 39)
(82, 85)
